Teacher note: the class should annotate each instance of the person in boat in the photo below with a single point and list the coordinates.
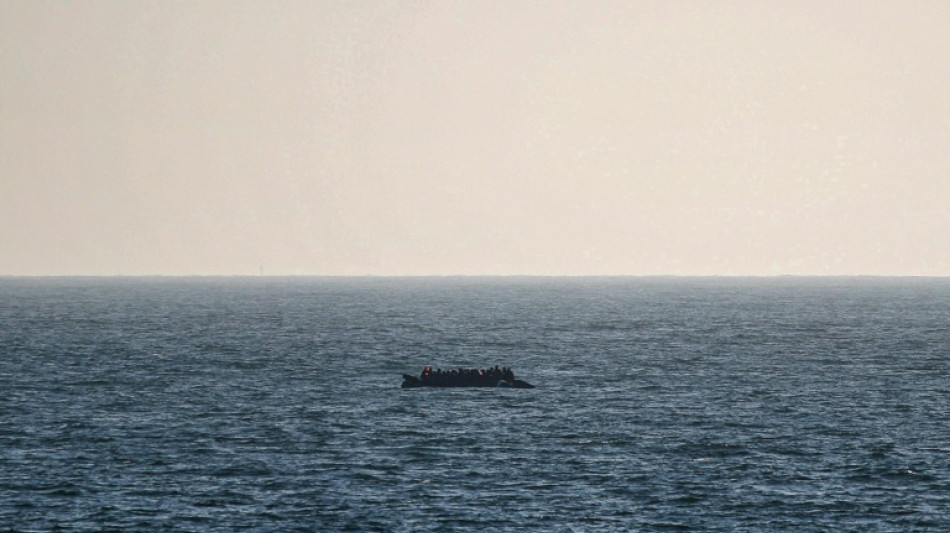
(466, 376)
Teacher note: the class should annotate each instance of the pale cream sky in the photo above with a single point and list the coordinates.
(475, 137)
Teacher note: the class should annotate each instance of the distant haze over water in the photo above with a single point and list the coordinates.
(429, 138)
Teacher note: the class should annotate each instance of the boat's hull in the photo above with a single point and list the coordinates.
(412, 382)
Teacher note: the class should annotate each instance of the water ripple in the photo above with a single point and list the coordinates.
(661, 406)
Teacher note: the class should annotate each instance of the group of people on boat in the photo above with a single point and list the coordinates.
(465, 376)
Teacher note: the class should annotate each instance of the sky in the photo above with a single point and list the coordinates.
(481, 137)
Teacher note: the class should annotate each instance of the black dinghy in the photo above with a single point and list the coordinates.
(492, 377)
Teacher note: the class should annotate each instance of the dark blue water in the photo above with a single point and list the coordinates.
(662, 405)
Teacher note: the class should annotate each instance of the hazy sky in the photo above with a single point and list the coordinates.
(475, 137)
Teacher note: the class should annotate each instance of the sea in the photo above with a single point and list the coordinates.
(268, 404)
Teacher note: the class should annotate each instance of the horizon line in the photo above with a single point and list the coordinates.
(391, 276)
